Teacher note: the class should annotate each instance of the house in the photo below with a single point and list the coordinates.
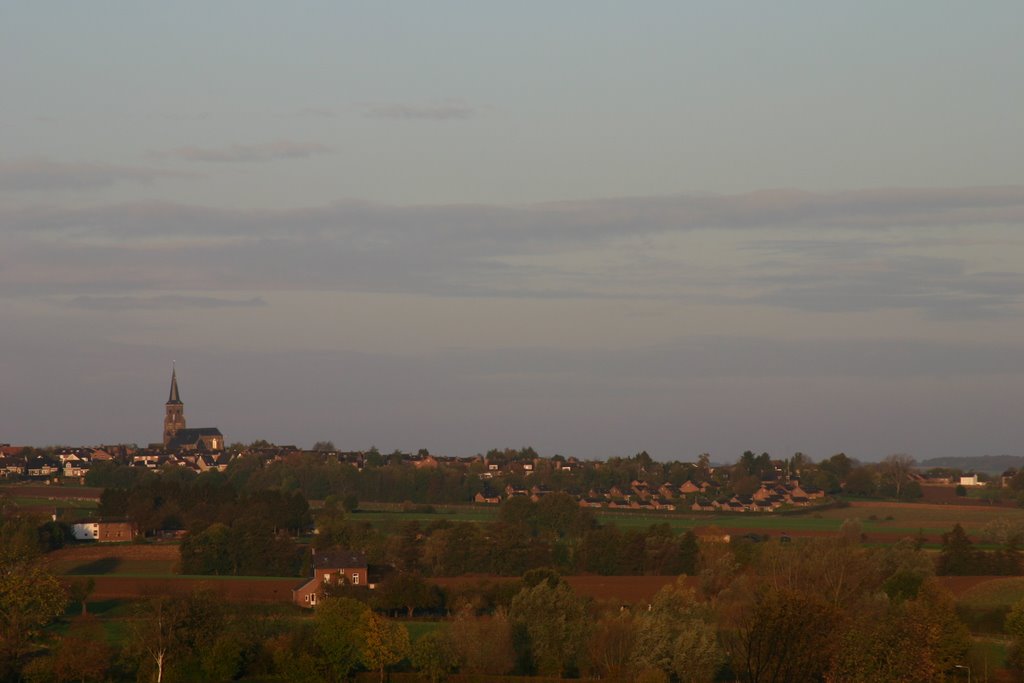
(12, 466)
(76, 468)
(619, 492)
(422, 461)
(41, 467)
(335, 566)
(103, 531)
(487, 497)
(969, 480)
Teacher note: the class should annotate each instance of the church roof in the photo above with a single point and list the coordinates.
(191, 436)
(174, 397)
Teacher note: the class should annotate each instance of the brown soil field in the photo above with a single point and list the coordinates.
(946, 495)
(100, 551)
(958, 585)
(973, 504)
(55, 492)
(872, 536)
(228, 588)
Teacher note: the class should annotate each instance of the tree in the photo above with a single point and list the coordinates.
(1014, 627)
(611, 645)
(434, 655)
(403, 590)
(79, 591)
(689, 553)
(704, 465)
(153, 637)
(838, 465)
(675, 635)
(860, 482)
(717, 568)
(957, 557)
(555, 625)
(896, 471)
(30, 598)
(82, 654)
(929, 638)
(483, 644)
(385, 642)
(337, 631)
(782, 637)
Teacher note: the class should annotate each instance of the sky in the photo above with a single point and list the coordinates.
(590, 227)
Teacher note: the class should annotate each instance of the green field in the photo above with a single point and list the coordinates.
(64, 503)
(418, 629)
(113, 565)
(1003, 592)
(891, 519)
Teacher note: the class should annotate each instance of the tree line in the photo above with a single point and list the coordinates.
(812, 610)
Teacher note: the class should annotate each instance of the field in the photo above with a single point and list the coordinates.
(40, 498)
(883, 522)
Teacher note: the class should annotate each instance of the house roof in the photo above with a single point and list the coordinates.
(337, 558)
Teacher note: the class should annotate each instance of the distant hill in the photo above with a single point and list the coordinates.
(989, 464)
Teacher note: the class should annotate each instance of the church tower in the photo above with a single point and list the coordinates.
(174, 411)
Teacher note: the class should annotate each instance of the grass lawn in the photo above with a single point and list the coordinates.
(875, 517)
(418, 629)
(65, 503)
(1003, 592)
(113, 565)
(376, 514)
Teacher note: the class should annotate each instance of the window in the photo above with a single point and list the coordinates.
(312, 598)
(327, 577)
(355, 578)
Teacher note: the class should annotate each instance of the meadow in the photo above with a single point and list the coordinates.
(882, 521)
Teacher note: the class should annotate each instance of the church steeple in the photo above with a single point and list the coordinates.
(174, 397)
(174, 410)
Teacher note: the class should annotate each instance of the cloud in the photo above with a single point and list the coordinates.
(864, 250)
(158, 303)
(854, 276)
(317, 113)
(425, 112)
(250, 153)
(41, 174)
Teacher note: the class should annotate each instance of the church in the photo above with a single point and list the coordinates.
(178, 437)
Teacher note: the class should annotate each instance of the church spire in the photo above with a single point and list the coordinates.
(174, 410)
(174, 397)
